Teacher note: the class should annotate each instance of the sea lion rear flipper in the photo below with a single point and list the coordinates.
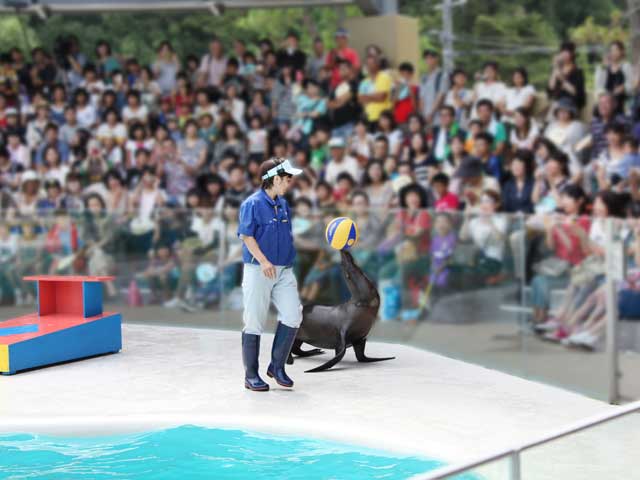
(358, 348)
(340, 351)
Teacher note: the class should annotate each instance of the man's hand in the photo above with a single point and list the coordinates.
(268, 269)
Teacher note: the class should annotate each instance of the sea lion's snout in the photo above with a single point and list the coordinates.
(347, 259)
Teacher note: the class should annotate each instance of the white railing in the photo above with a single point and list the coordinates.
(514, 453)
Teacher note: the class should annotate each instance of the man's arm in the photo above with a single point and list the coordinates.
(265, 265)
(340, 101)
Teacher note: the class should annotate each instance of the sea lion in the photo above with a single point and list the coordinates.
(341, 326)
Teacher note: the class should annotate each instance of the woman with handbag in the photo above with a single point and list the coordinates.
(566, 235)
(587, 276)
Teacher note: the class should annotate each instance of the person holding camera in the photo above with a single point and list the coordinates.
(566, 80)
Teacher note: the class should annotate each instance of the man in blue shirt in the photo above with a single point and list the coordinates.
(268, 253)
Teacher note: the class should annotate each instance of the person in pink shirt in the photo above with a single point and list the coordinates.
(342, 51)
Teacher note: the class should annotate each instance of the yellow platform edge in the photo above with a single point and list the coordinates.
(4, 358)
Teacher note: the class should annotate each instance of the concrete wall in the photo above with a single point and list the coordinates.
(396, 35)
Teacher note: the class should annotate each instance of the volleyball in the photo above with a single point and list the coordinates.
(341, 233)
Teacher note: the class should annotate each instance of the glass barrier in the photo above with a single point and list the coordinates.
(585, 455)
(504, 291)
(625, 274)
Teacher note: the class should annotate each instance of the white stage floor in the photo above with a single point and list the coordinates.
(420, 403)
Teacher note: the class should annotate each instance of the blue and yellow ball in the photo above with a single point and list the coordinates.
(341, 233)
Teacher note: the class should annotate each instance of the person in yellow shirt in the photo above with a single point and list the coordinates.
(374, 92)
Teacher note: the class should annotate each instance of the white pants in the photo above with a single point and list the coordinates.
(257, 293)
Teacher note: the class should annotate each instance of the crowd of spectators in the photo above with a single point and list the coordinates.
(104, 158)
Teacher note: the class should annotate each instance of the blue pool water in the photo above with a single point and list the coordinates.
(193, 453)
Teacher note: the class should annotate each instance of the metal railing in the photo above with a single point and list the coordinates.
(514, 453)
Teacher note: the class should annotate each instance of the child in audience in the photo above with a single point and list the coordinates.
(443, 244)
(444, 199)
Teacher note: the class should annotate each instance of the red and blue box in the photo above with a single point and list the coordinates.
(69, 325)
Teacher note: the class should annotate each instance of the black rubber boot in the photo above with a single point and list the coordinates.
(250, 353)
(282, 344)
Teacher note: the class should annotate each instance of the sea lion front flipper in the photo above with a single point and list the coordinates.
(358, 348)
(296, 350)
(340, 351)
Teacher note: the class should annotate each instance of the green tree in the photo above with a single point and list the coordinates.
(15, 32)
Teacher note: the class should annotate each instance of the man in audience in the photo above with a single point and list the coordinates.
(339, 162)
(604, 116)
(485, 109)
(213, 64)
(433, 87)
(291, 55)
(375, 91)
(442, 134)
(342, 51)
(343, 105)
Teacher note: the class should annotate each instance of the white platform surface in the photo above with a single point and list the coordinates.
(420, 403)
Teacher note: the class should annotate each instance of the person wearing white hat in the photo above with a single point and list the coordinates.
(268, 253)
(340, 162)
(29, 195)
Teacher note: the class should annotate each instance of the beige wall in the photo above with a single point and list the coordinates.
(397, 35)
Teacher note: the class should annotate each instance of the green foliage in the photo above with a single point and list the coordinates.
(514, 38)
(519, 32)
(591, 33)
(12, 33)
(139, 34)
(513, 32)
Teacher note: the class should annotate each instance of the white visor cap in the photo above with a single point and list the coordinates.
(285, 167)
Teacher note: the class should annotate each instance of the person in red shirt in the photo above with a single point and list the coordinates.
(567, 235)
(342, 51)
(405, 94)
(444, 199)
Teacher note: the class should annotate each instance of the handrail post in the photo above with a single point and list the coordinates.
(611, 273)
(515, 473)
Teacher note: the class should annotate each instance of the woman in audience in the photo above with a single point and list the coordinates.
(586, 277)
(231, 140)
(550, 183)
(521, 95)
(361, 142)
(518, 190)
(456, 156)
(608, 165)
(566, 235)
(407, 249)
(525, 130)
(52, 167)
(489, 87)
(370, 229)
(488, 231)
(459, 97)
(377, 186)
(387, 127)
(192, 150)
(165, 68)
(565, 131)
(615, 75)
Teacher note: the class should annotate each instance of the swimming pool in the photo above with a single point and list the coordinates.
(194, 452)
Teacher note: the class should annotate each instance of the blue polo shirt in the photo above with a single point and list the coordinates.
(269, 222)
